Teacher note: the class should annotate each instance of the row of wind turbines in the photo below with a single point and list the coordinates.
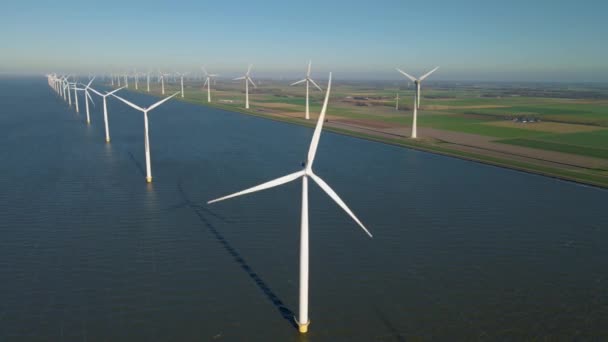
(247, 80)
(62, 86)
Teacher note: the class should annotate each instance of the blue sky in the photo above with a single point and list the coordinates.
(471, 40)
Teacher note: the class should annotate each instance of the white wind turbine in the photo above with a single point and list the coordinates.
(247, 79)
(147, 140)
(75, 96)
(105, 109)
(182, 81)
(307, 172)
(148, 81)
(87, 96)
(308, 80)
(417, 82)
(208, 78)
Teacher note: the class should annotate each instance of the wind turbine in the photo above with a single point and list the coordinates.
(307, 172)
(308, 80)
(147, 140)
(148, 81)
(75, 96)
(87, 96)
(182, 81)
(126, 80)
(105, 109)
(397, 101)
(417, 82)
(247, 79)
(208, 78)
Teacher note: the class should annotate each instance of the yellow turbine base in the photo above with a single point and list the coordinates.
(303, 327)
(149, 179)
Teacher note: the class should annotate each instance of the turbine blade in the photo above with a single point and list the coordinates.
(161, 102)
(89, 96)
(115, 90)
(263, 186)
(205, 71)
(95, 91)
(407, 75)
(309, 65)
(206, 80)
(129, 103)
(239, 78)
(249, 68)
(317, 134)
(315, 84)
(91, 81)
(298, 82)
(428, 74)
(251, 81)
(329, 191)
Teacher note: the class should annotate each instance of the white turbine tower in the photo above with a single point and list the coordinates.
(397, 101)
(182, 81)
(307, 172)
(247, 79)
(308, 80)
(105, 109)
(148, 81)
(75, 96)
(208, 78)
(417, 82)
(87, 96)
(147, 140)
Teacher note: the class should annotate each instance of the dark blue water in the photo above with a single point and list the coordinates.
(461, 251)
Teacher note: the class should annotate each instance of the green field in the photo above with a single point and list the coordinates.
(572, 126)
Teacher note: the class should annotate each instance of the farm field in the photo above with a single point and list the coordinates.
(552, 129)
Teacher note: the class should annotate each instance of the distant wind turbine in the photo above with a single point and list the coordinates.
(417, 82)
(307, 172)
(147, 140)
(105, 109)
(247, 79)
(308, 80)
(207, 83)
(87, 96)
(397, 102)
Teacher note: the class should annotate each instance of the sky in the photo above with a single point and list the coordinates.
(507, 40)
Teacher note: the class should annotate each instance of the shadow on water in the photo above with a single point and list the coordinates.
(200, 211)
(137, 163)
(391, 328)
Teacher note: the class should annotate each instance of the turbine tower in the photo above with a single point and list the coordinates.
(207, 83)
(146, 137)
(105, 109)
(417, 82)
(87, 96)
(306, 173)
(308, 80)
(247, 79)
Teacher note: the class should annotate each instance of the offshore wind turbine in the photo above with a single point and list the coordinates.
(247, 79)
(105, 109)
(417, 82)
(148, 81)
(87, 96)
(182, 82)
(308, 80)
(75, 96)
(207, 83)
(302, 319)
(147, 140)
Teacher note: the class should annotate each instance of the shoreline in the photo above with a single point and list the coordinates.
(421, 145)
